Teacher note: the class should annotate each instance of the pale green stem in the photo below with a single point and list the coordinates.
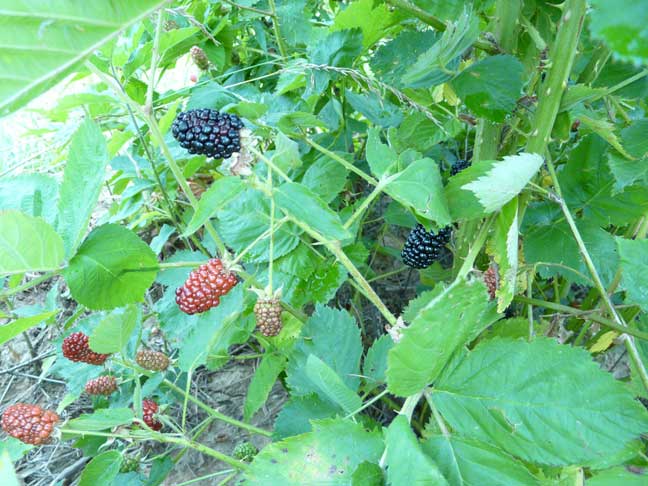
(365, 204)
(341, 161)
(277, 30)
(269, 232)
(368, 403)
(270, 164)
(437, 416)
(155, 56)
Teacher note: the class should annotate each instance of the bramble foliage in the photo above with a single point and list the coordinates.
(505, 341)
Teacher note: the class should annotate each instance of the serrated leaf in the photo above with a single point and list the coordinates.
(37, 57)
(262, 382)
(219, 194)
(380, 156)
(623, 25)
(634, 267)
(286, 155)
(368, 474)
(113, 332)
(406, 462)
(420, 186)
(301, 204)
(14, 328)
(465, 461)
(296, 415)
(375, 363)
(85, 168)
(102, 469)
(326, 178)
(605, 130)
(330, 385)
(519, 396)
(372, 19)
(102, 419)
(379, 111)
(332, 451)
(485, 187)
(28, 244)
(628, 171)
(504, 248)
(98, 276)
(491, 87)
(445, 320)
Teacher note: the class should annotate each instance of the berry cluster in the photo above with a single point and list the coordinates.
(204, 287)
(76, 348)
(208, 132)
(104, 385)
(423, 247)
(149, 409)
(152, 360)
(268, 316)
(30, 424)
(458, 166)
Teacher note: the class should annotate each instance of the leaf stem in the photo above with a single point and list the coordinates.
(32, 283)
(277, 30)
(341, 161)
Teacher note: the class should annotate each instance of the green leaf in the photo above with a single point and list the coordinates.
(98, 276)
(37, 58)
(406, 462)
(240, 232)
(504, 248)
(320, 286)
(286, 155)
(105, 418)
(519, 396)
(33, 194)
(85, 168)
(603, 129)
(627, 171)
(303, 205)
(466, 461)
(219, 194)
(28, 244)
(634, 267)
(296, 415)
(14, 328)
(377, 110)
(491, 87)
(330, 385)
(326, 178)
(375, 363)
(434, 66)
(294, 17)
(618, 476)
(262, 382)
(623, 25)
(442, 321)
(114, 331)
(380, 156)
(102, 470)
(328, 455)
(368, 474)
(372, 21)
(420, 186)
(327, 329)
(485, 187)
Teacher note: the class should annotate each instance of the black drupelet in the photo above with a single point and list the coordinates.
(208, 132)
(423, 247)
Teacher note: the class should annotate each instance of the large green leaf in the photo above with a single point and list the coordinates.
(485, 187)
(300, 203)
(420, 186)
(113, 332)
(296, 415)
(491, 87)
(28, 244)
(326, 178)
(623, 25)
(626, 171)
(85, 168)
(372, 19)
(330, 385)
(262, 382)
(102, 470)
(328, 455)
(99, 276)
(441, 321)
(406, 461)
(634, 267)
(380, 156)
(520, 397)
(466, 461)
(44, 41)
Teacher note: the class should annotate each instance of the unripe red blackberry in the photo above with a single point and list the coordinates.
(268, 316)
(30, 424)
(149, 409)
(424, 247)
(199, 58)
(204, 287)
(208, 132)
(491, 279)
(152, 360)
(104, 385)
(75, 348)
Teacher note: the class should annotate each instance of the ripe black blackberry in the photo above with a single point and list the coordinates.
(458, 166)
(208, 132)
(423, 247)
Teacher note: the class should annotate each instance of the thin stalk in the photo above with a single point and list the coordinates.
(365, 204)
(30, 284)
(155, 56)
(341, 161)
(277, 29)
(272, 223)
(270, 164)
(469, 261)
(437, 416)
(368, 403)
(530, 305)
(269, 232)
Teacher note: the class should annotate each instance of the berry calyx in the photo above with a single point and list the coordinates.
(104, 385)
(268, 316)
(208, 132)
(204, 287)
(423, 247)
(245, 451)
(149, 409)
(30, 424)
(152, 360)
(75, 348)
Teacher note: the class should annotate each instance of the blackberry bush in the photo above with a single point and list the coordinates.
(208, 132)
